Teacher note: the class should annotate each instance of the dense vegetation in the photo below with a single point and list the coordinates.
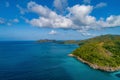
(102, 50)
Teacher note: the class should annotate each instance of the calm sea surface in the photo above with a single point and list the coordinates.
(45, 61)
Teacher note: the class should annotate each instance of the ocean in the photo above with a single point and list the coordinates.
(29, 60)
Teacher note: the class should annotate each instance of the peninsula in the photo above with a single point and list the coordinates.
(101, 52)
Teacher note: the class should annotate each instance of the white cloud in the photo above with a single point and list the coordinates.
(87, 1)
(7, 4)
(60, 5)
(111, 21)
(52, 32)
(102, 4)
(79, 14)
(78, 18)
(39, 9)
(48, 18)
(58, 22)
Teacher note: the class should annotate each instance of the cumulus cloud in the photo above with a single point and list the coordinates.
(102, 4)
(87, 1)
(111, 21)
(79, 14)
(60, 5)
(52, 32)
(39, 9)
(78, 18)
(48, 18)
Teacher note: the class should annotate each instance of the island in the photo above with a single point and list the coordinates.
(59, 41)
(101, 52)
(46, 40)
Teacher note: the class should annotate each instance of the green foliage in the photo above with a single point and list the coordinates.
(102, 50)
(70, 42)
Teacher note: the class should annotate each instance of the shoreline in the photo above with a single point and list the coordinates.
(94, 66)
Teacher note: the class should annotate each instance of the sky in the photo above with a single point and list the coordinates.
(58, 19)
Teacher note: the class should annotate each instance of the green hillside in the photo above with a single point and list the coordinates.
(102, 51)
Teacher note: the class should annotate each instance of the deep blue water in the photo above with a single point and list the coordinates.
(45, 61)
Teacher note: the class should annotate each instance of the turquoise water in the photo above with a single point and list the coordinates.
(45, 61)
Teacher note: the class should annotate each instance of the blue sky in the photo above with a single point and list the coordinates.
(58, 19)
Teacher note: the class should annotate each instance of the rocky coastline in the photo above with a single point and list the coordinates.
(94, 66)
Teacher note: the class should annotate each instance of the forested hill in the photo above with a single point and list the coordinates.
(101, 52)
(103, 38)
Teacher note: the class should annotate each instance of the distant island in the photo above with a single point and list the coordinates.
(59, 41)
(101, 52)
(45, 40)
